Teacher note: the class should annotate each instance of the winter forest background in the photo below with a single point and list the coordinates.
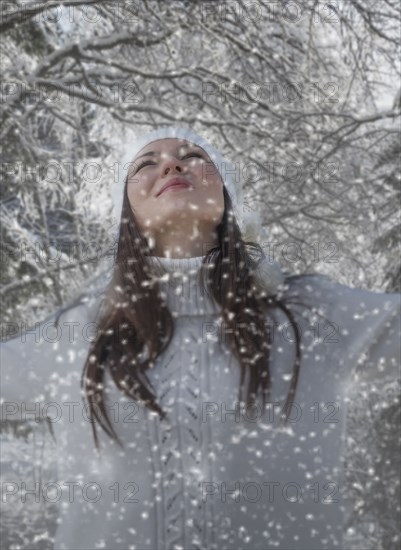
(304, 95)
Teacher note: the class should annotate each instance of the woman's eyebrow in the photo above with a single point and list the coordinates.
(149, 153)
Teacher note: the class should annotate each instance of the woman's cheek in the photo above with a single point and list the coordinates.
(137, 193)
(207, 177)
(131, 192)
(210, 173)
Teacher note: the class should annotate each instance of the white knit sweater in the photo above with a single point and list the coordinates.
(209, 477)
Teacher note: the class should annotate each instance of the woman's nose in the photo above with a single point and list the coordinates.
(171, 165)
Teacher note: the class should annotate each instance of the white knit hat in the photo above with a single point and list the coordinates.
(269, 274)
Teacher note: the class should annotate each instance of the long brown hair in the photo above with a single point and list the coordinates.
(136, 317)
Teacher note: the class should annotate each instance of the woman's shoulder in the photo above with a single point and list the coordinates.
(88, 304)
(358, 312)
(320, 287)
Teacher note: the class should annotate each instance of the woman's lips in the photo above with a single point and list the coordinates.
(174, 184)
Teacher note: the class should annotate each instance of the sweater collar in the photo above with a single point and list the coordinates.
(179, 281)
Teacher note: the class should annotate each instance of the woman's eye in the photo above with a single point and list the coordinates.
(146, 163)
(192, 155)
(150, 163)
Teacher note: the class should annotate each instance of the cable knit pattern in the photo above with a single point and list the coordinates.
(180, 444)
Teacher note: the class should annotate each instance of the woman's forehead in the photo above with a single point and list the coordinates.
(167, 145)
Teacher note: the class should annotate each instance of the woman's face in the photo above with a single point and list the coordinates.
(195, 201)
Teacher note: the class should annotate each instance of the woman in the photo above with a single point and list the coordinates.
(189, 418)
